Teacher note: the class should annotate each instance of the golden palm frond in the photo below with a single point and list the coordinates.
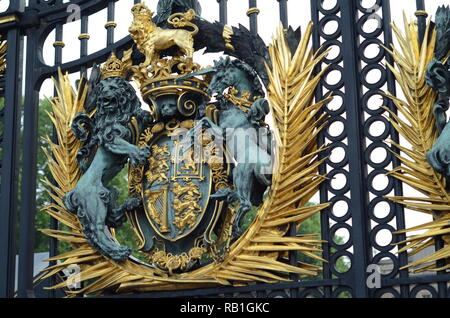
(416, 124)
(64, 168)
(258, 254)
(62, 156)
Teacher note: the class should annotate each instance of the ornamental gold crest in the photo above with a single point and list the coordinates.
(200, 158)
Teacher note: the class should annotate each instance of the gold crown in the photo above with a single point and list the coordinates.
(114, 67)
(173, 86)
(141, 11)
(161, 80)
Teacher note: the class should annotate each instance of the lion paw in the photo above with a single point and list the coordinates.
(100, 238)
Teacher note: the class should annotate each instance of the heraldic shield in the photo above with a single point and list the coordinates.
(176, 177)
(179, 176)
(176, 183)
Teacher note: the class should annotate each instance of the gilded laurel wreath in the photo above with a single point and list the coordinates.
(258, 255)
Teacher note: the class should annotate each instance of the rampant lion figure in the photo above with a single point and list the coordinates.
(151, 39)
(108, 137)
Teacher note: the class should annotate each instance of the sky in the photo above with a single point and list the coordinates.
(268, 20)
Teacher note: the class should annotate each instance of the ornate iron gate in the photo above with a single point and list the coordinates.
(19, 159)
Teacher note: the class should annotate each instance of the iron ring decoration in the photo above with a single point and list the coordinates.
(385, 291)
(377, 258)
(341, 109)
(339, 57)
(365, 72)
(344, 161)
(333, 231)
(326, 20)
(331, 11)
(378, 58)
(373, 235)
(334, 259)
(371, 148)
(370, 180)
(371, 10)
(363, 20)
(366, 98)
(388, 218)
(334, 201)
(371, 121)
(339, 84)
(420, 288)
(345, 188)
(342, 135)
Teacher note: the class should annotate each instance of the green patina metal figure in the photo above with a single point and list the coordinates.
(438, 77)
(108, 137)
(240, 123)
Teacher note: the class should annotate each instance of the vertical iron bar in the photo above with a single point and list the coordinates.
(10, 164)
(223, 11)
(398, 185)
(84, 41)
(111, 24)
(421, 18)
(442, 286)
(283, 13)
(53, 222)
(293, 260)
(29, 171)
(58, 48)
(324, 220)
(356, 145)
(253, 15)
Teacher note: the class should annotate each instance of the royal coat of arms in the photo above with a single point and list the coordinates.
(199, 159)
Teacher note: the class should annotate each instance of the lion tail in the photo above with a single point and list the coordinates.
(183, 20)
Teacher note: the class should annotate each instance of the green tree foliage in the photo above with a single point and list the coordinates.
(42, 220)
(125, 234)
(312, 226)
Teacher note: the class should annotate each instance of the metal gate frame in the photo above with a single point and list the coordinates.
(39, 18)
